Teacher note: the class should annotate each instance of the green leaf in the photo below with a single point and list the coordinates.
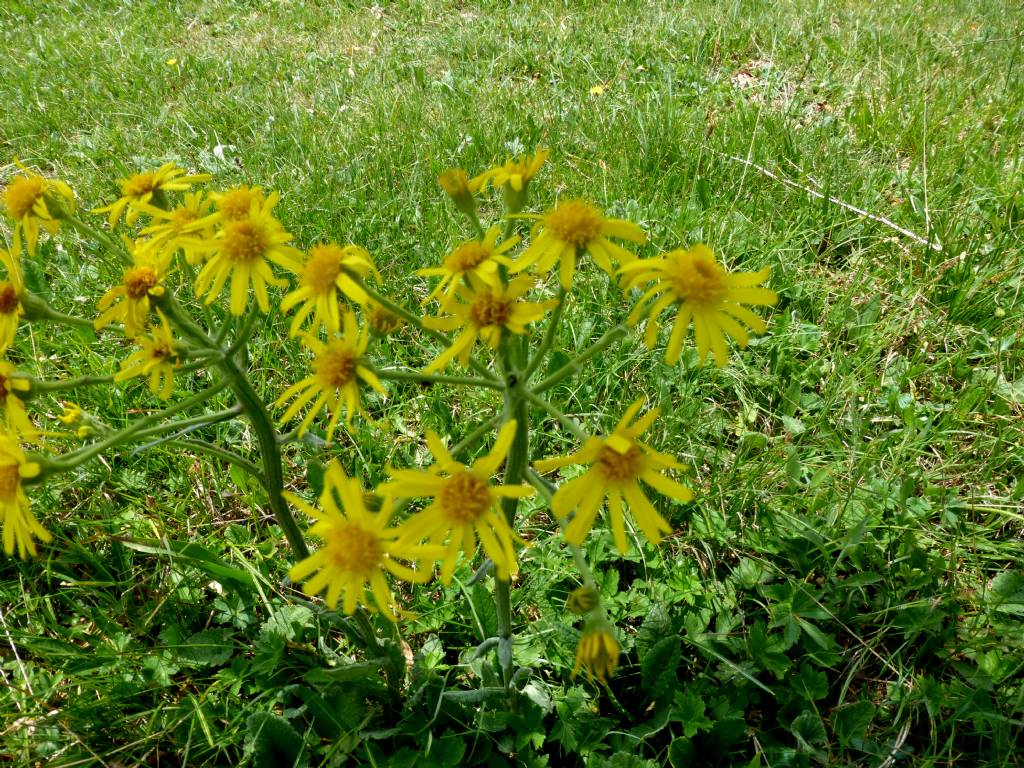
(273, 742)
(658, 667)
(810, 683)
(765, 650)
(852, 721)
(681, 753)
(209, 648)
(808, 730)
(688, 709)
(196, 556)
(315, 477)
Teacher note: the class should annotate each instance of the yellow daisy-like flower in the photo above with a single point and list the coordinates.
(10, 312)
(241, 250)
(235, 203)
(617, 465)
(189, 226)
(18, 422)
(486, 312)
(705, 293)
(338, 366)
(138, 190)
(358, 548)
(516, 172)
(157, 358)
(33, 201)
(597, 653)
(328, 271)
(129, 301)
(465, 505)
(569, 229)
(477, 258)
(20, 525)
(455, 183)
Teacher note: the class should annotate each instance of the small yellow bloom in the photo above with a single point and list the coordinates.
(158, 357)
(382, 321)
(328, 270)
(33, 201)
(358, 548)
(20, 525)
(241, 250)
(704, 293)
(235, 203)
(486, 312)
(597, 653)
(456, 184)
(189, 226)
(476, 258)
(18, 422)
(516, 172)
(138, 190)
(617, 465)
(10, 312)
(569, 229)
(129, 301)
(583, 600)
(464, 507)
(338, 366)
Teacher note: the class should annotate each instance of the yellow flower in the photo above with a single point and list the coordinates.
(597, 653)
(20, 525)
(382, 321)
(11, 261)
(18, 422)
(138, 190)
(32, 201)
(129, 301)
(705, 293)
(516, 172)
(157, 358)
(456, 185)
(328, 271)
(486, 312)
(617, 465)
(241, 250)
(465, 505)
(569, 229)
(358, 548)
(189, 227)
(338, 366)
(10, 311)
(479, 258)
(235, 203)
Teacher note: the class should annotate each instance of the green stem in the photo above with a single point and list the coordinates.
(564, 420)
(547, 490)
(57, 385)
(183, 426)
(222, 453)
(549, 335)
(611, 336)
(36, 308)
(106, 240)
(432, 378)
(73, 459)
(474, 437)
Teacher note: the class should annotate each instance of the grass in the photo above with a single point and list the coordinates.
(845, 590)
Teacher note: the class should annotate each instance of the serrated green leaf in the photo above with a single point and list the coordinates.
(852, 721)
(681, 753)
(658, 667)
(209, 648)
(810, 683)
(688, 709)
(274, 743)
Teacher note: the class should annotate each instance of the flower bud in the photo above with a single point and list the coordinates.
(455, 183)
(583, 600)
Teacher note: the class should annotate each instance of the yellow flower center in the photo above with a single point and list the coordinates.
(575, 222)
(181, 217)
(4, 391)
(464, 498)
(138, 281)
(21, 195)
(467, 256)
(487, 310)
(10, 481)
(353, 549)
(323, 268)
(162, 350)
(235, 203)
(8, 299)
(138, 185)
(336, 366)
(620, 467)
(697, 278)
(244, 241)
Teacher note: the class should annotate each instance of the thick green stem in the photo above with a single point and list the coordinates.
(613, 335)
(432, 378)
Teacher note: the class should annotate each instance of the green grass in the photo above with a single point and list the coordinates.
(845, 589)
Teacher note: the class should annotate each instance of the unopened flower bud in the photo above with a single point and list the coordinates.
(583, 600)
(455, 183)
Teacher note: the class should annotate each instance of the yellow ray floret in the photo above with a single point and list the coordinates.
(10, 312)
(139, 189)
(129, 301)
(486, 312)
(338, 367)
(703, 292)
(32, 201)
(242, 250)
(597, 653)
(516, 172)
(157, 357)
(476, 258)
(567, 231)
(358, 548)
(329, 270)
(19, 524)
(189, 227)
(617, 464)
(16, 417)
(464, 506)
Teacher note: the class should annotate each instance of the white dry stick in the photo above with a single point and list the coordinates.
(836, 201)
(17, 658)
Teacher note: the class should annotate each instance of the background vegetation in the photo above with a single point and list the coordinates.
(847, 587)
